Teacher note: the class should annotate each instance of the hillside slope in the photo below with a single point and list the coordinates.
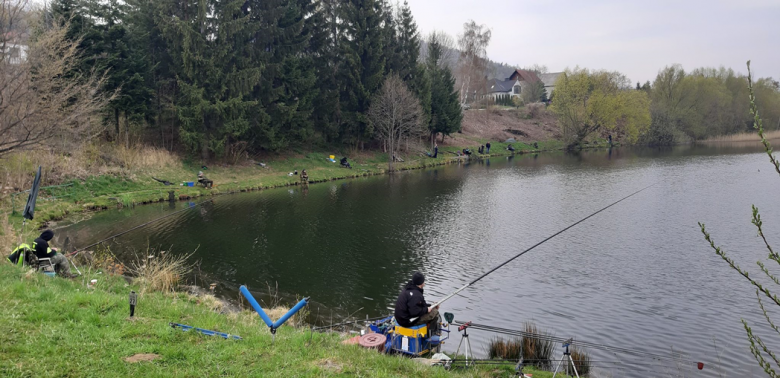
(480, 126)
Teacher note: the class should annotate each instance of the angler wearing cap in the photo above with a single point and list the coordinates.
(42, 250)
(411, 304)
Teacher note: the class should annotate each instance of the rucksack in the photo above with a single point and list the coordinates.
(20, 255)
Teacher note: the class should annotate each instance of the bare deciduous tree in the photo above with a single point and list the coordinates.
(537, 68)
(395, 114)
(473, 66)
(40, 97)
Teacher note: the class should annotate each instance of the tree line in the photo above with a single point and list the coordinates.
(704, 102)
(677, 107)
(220, 78)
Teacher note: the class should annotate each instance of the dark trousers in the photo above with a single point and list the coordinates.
(431, 319)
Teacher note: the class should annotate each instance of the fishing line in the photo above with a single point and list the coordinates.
(534, 246)
(137, 227)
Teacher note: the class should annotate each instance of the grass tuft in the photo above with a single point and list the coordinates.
(160, 272)
(537, 348)
(581, 360)
(505, 349)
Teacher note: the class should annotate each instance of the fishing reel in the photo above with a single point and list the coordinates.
(566, 345)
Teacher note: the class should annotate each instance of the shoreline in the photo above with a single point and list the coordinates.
(50, 212)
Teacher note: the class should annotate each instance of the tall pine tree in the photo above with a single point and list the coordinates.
(324, 51)
(287, 88)
(362, 67)
(446, 112)
(214, 77)
(150, 51)
(405, 60)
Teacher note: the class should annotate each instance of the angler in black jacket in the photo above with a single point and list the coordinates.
(411, 304)
(42, 250)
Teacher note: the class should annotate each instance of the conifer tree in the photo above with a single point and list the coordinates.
(154, 65)
(286, 88)
(362, 66)
(446, 113)
(406, 59)
(105, 47)
(214, 77)
(324, 51)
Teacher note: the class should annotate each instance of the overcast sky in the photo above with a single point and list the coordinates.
(636, 38)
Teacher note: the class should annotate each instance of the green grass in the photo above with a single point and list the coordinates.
(52, 327)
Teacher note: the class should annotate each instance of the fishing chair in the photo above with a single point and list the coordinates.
(419, 340)
(206, 182)
(43, 264)
(409, 340)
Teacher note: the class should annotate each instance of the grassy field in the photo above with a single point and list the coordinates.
(53, 327)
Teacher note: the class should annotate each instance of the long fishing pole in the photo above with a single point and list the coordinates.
(532, 247)
(608, 348)
(136, 227)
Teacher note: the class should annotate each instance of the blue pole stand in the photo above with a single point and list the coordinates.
(273, 326)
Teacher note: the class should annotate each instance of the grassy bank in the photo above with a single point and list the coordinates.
(118, 177)
(56, 327)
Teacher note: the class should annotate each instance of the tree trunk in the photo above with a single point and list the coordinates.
(391, 153)
(116, 123)
(127, 132)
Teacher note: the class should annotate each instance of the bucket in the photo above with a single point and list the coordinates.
(189, 183)
(332, 157)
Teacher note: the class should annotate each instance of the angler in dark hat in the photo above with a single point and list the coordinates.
(411, 304)
(42, 250)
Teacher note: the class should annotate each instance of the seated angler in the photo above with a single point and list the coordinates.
(204, 181)
(410, 307)
(42, 250)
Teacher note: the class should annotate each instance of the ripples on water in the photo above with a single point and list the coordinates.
(638, 275)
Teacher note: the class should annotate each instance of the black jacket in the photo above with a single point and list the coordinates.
(410, 304)
(42, 248)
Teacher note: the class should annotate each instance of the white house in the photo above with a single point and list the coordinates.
(514, 84)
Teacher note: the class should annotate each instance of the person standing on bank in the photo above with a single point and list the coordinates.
(411, 304)
(42, 250)
(487, 148)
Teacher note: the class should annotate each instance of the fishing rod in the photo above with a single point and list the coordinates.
(135, 228)
(532, 247)
(608, 348)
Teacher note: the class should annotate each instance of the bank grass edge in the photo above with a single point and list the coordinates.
(117, 188)
(59, 327)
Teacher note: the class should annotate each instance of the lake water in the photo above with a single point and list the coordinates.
(638, 275)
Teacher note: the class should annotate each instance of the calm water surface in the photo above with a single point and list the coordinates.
(638, 275)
